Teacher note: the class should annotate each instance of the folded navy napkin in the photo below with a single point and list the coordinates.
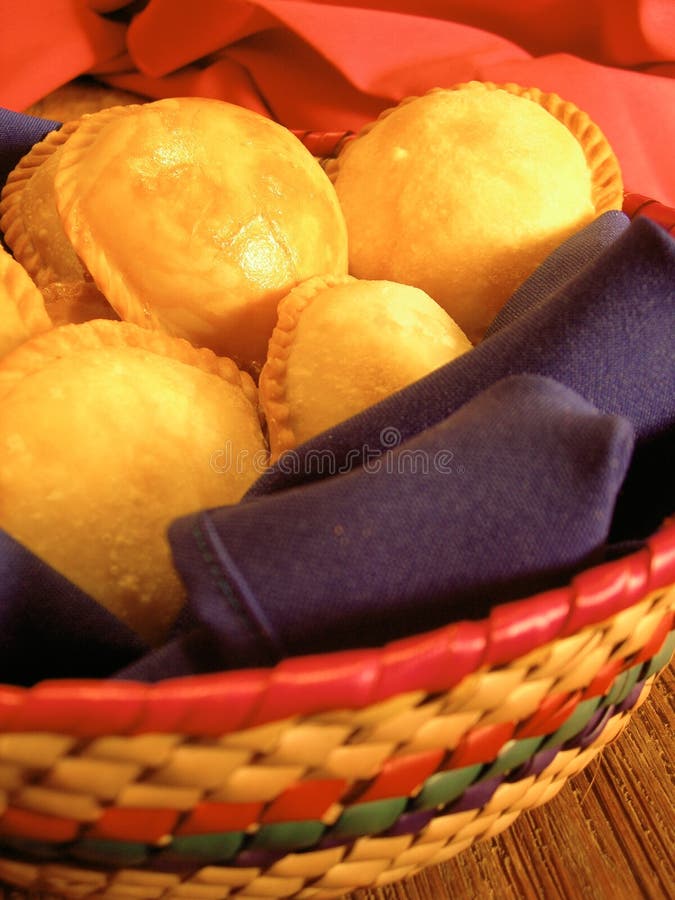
(51, 629)
(434, 529)
(501, 474)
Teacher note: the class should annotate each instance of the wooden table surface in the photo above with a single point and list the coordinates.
(608, 835)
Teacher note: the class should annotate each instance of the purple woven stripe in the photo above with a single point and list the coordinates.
(533, 766)
(411, 822)
(631, 699)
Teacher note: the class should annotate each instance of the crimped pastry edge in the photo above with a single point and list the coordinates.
(606, 177)
(273, 376)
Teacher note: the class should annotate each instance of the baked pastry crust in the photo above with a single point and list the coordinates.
(29, 219)
(464, 191)
(109, 432)
(196, 216)
(22, 309)
(342, 344)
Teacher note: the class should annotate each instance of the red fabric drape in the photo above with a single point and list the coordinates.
(318, 65)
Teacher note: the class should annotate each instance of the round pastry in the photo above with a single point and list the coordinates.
(192, 216)
(22, 309)
(342, 344)
(109, 432)
(464, 191)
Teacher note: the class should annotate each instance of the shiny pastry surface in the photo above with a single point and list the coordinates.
(196, 216)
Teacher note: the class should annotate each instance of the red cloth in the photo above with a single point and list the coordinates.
(313, 64)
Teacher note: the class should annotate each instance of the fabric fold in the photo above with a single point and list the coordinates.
(319, 65)
(433, 530)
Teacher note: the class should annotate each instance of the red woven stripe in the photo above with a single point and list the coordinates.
(481, 745)
(553, 712)
(200, 703)
(215, 818)
(36, 826)
(402, 776)
(131, 824)
(83, 708)
(11, 699)
(662, 557)
(431, 662)
(604, 679)
(305, 801)
(315, 683)
(519, 627)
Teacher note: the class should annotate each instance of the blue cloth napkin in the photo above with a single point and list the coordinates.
(500, 474)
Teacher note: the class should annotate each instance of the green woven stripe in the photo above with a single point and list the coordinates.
(444, 787)
(110, 853)
(574, 724)
(369, 818)
(203, 848)
(512, 755)
(38, 850)
(623, 685)
(288, 835)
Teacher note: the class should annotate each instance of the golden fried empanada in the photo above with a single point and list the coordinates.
(196, 216)
(343, 344)
(22, 309)
(464, 191)
(108, 432)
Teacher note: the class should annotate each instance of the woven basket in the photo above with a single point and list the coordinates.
(336, 771)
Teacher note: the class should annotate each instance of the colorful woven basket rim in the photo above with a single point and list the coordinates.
(431, 661)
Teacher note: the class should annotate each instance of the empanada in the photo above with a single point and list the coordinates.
(108, 432)
(464, 191)
(343, 344)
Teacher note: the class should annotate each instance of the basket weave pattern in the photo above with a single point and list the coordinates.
(328, 773)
